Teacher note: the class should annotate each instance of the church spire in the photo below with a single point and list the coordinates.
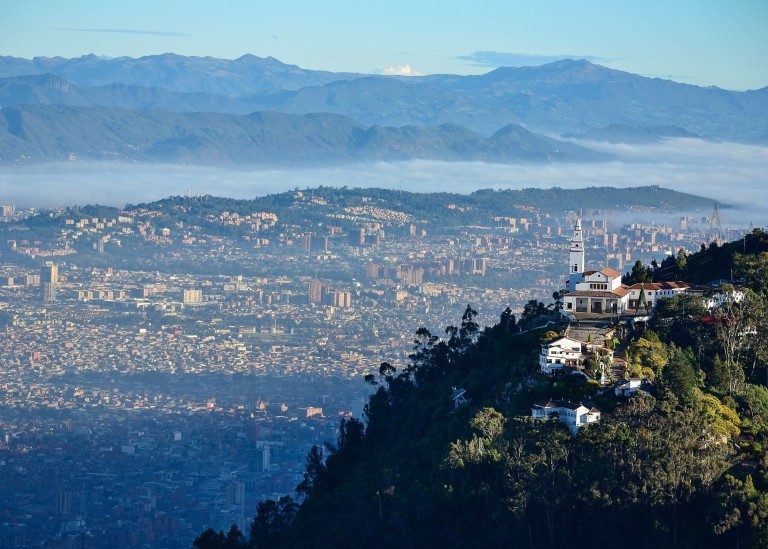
(576, 258)
(576, 263)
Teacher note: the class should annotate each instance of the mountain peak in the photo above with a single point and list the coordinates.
(565, 96)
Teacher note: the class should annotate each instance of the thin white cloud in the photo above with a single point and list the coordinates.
(510, 59)
(123, 31)
(402, 70)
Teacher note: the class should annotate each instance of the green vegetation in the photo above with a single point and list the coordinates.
(746, 257)
(682, 466)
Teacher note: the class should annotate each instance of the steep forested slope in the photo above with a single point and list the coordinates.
(680, 465)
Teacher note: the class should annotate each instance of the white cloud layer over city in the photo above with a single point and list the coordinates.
(733, 174)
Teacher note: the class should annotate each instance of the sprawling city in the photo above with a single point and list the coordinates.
(316, 275)
(161, 376)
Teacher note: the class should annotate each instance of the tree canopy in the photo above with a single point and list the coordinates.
(684, 463)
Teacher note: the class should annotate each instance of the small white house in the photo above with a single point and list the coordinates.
(628, 387)
(718, 297)
(573, 415)
(559, 353)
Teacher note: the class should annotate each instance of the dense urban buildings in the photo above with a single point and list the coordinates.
(162, 374)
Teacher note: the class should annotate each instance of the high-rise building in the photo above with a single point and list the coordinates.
(322, 245)
(49, 273)
(372, 270)
(191, 296)
(411, 277)
(342, 299)
(357, 237)
(315, 292)
(312, 243)
(478, 266)
(263, 457)
(306, 242)
(49, 280)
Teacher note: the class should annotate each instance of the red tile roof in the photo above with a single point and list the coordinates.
(621, 291)
(611, 272)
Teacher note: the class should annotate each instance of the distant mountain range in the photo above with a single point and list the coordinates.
(245, 75)
(175, 108)
(34, 133)
(633, 135)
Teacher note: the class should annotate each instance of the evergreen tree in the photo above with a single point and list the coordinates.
(639, 273)
(680, 375)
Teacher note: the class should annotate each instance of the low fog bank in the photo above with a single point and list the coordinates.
(736, 175)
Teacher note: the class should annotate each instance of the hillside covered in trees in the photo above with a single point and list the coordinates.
(681, 465)
(741, 258)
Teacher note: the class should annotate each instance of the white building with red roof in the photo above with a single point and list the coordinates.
(597, 292)
(653, 291)
(602, 293)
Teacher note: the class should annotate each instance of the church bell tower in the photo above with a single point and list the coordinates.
(576, 259)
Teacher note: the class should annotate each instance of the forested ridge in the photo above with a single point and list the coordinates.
(680, 465)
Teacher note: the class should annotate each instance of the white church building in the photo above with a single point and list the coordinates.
(601, 292)
(598, 292)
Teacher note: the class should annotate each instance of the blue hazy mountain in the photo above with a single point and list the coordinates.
(634, 135)
(178, 73)
(41, 133)
(204, 110)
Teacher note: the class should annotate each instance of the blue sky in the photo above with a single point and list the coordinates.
(702, 42)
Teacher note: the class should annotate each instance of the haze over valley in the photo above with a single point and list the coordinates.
(708, 169)
(126, 130)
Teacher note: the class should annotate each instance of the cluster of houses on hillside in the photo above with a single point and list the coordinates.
(559, 355)
(592, 297)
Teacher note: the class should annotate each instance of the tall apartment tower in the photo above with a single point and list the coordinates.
(49, 280)
(191, 296)
(315, 292)
(576, 258)
(266, 457)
